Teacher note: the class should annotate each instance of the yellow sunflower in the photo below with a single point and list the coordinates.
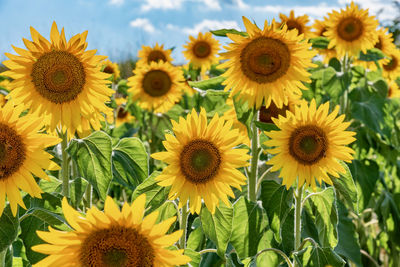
(266, 114)
(320, 28)
(111, 68)
(154, 54)
(60, 81)
(230, 114)
(394, 90)
(262, 66)
(391, 70)
(310, 144)
(21, 155)
(122, 116)
(111, 238)
(157, 86)
(299, 23)
(351, 31)
(202, 161)
(202, 51)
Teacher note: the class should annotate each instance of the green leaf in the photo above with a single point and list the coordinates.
(373, 54)
(277, 201)
(346, 188)
(268, 258)
(155, 195)
(266, 126)
(166, 211)
(335, 63)
(316, 256)
(194, 255)
(218, 226)
(223, 32)
(9, 228)
(381, 86)
(249, 224)
(326, 217)
(93, 157)
(331, 83)
(366, 173)
(286, 232)
(196, 237)
(319, 42)
(368, 111)
(212, 83)
(77, 188)
(130, 162)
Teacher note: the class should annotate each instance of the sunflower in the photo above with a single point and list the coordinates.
(111, 238)
(299, 23)
(21, 155)
(266, 114)
(230, 114)
(111, 68)
(391, 70)
(202, 51)
(60, 81)
(351, 31)
(122, 116)
(393, 90)
(202, 161)
(320, 28)
(147, 54)
(310, 144)
(157, 86)
(266, 64)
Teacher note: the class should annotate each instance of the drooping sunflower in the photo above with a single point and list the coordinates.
(203, 161)
(111, 68)
(351, 31)
(21, 155)
(267, 64)
(230, 114)
(310, 144)
(394, 90)
(122, 116)
(202, 51)
(299, 23)
(154, 54)
(391, 70)
(111, 238)
(60, 81)
(157, 86)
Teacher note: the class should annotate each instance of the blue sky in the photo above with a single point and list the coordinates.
(117, 28)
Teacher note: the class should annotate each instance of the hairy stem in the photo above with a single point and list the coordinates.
(297, 219)
(252, 183)
(65, 165)
(183, 226)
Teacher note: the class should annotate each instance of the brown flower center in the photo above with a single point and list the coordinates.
(156, 55)
(293, 24)
(266, 114)
(58, 76)
(109, 70)
(392, 65)
(308, 144)
(265, 60)
(156, 83)
(200, 161)
(12, 151)
(350, 29)
(116, 246)
(122, 113)
(379, 43)
(201, 49)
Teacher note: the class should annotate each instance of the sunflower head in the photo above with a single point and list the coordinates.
(202, 51)
(351, 30)
(157, 86)
(154, 54)
(112, 238)
(122, 116)
(391, 70)
(299, 23)
(310, 144)
(112, 69)
(22, 153)
(394, 90)
(319, 28)
(203, 161)
(266, 114)
(60, 81)
(268, 65)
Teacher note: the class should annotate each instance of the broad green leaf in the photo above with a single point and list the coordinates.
(223, 32)
(77, 189)
(130, 162)
(244, 113)
(335, 63)
(331, 83)
(218, 226)
(212, 83)
(326, 217)
(319, 42)
(319, 257)
(249, 224)
(286, 232)
(346, 188)
(369, 111)
(93, 157)
(266, 126)
(155, 195)
(196, 237)
(166, 211)
(366, 173)
(277, 201)
(268, 258)
(381, 86)
(53, 185)
(196, 257)
(8, 228)
(373, 54)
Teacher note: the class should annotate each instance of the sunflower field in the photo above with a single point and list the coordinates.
(278, 149)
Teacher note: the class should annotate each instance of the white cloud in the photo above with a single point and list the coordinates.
(211, 4)
(161, 4)
(116, 2)
(143, 23)
(240, 4)
(206, 25)
(387, 9)
(318, 11)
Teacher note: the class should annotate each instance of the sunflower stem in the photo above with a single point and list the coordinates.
(297, 219)
(65, 165)
(3, 257)
(252, 193)
(183, 226)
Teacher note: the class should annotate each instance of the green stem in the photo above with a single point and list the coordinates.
(88, 196)
(297, 219)
(183, 226)
(65, 165)
(252, 183)
(152, 141)
(3, 257)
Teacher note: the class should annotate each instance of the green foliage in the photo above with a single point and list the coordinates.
(223, 32)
